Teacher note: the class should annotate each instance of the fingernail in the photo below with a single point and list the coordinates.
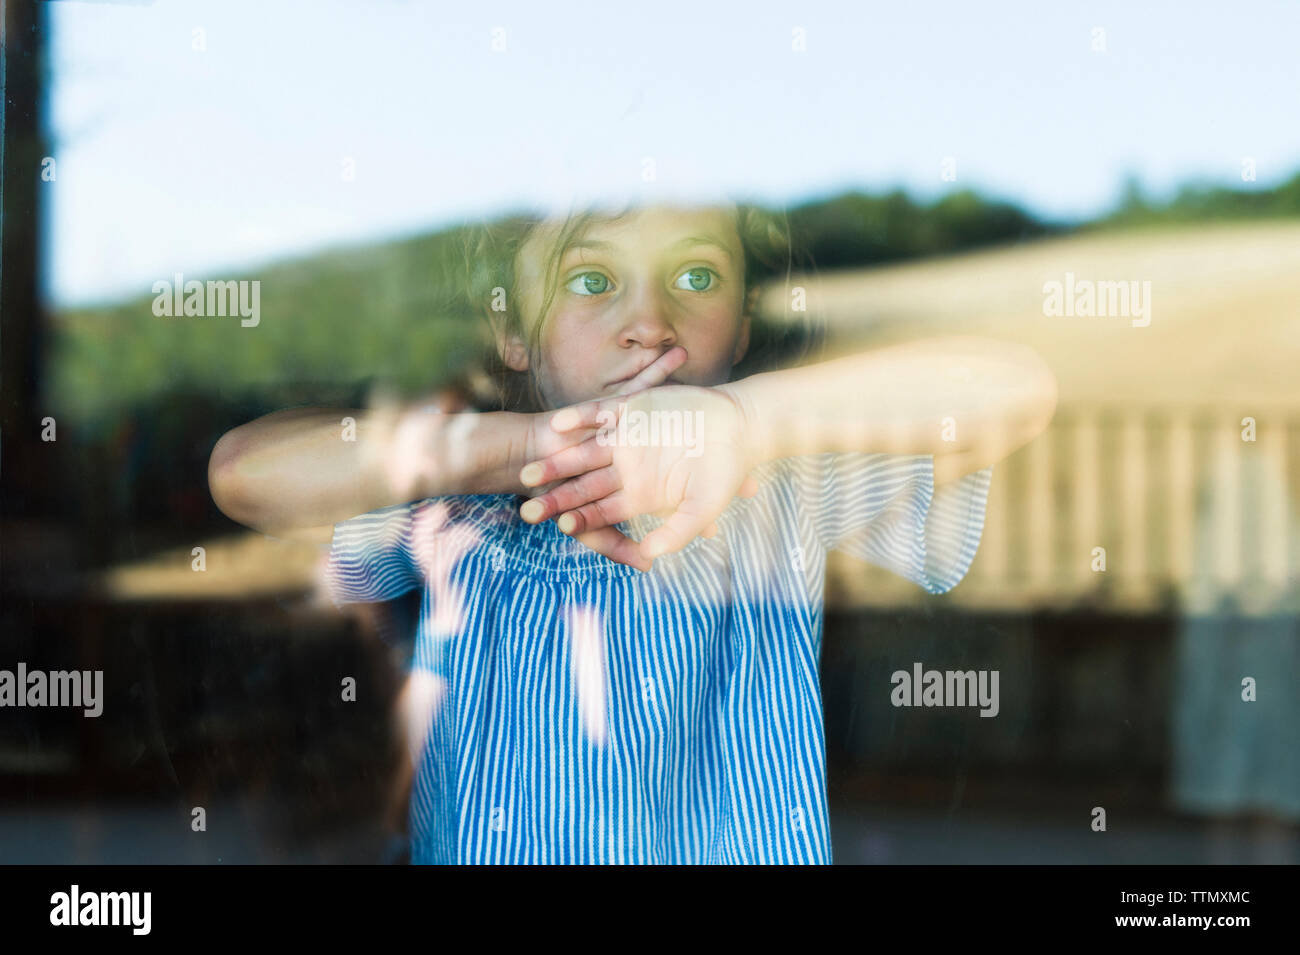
(531, 475)
(654, 550)
(564, 420)
(567, 523)
(532, 511)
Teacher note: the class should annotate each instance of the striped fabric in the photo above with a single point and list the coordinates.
(584, 711)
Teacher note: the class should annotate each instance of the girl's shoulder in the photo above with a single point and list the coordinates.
(417, 529)
(385, 552)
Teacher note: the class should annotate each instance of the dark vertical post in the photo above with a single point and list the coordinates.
(23, 492)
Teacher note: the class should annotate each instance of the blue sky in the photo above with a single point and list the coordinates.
(211, 161)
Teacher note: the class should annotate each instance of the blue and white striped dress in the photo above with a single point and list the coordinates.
(589, 712)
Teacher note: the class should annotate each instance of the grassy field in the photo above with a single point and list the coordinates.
(1224, 322)
(1145, 456)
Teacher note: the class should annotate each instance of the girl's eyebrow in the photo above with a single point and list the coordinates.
(599, 245)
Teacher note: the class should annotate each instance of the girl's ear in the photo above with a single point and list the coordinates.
(742, 340)
(511, 348)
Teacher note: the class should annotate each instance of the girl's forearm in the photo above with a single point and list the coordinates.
(971, 401)
(309, 467)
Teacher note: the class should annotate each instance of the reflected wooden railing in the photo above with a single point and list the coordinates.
(1190, 507)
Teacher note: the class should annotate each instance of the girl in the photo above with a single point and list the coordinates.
(618, 650)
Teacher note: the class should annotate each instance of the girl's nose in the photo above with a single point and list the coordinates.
(648, 322)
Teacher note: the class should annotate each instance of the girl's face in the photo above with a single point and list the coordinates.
(628, 291)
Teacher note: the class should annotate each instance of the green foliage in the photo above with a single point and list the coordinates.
(855, 229)
(344, 317)
(395, 311)
(1197, 202)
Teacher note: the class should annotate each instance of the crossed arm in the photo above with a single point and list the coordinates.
(296, 473)
(969, 402)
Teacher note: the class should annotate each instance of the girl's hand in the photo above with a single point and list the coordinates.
(435, 444)
(700, 461)
(543, 440)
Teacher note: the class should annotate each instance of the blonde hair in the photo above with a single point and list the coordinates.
(491, 251)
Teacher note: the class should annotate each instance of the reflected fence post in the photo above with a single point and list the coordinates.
(1190, 513)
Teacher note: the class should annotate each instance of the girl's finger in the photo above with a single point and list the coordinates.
(572, 494)
(588, 413)
(748, 487)
(617, 546)
(585, 415)
(541, 489)
(656, 373)
(590, 455)
(600, 513)
(679, 530)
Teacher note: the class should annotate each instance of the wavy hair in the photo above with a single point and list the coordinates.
(491, 250)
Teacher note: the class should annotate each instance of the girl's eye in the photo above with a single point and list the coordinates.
(588, 283)
(698, 280)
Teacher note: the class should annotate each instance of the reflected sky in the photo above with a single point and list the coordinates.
(205, 136)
